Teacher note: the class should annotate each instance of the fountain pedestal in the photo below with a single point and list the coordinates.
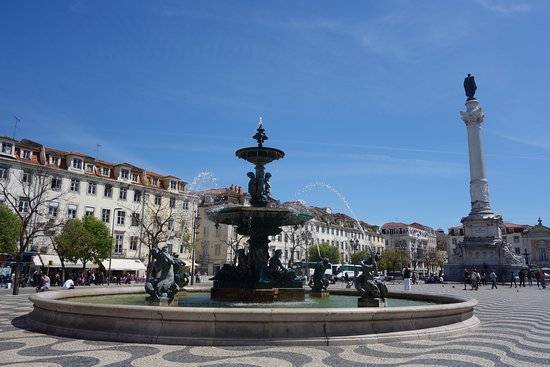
(319, 294)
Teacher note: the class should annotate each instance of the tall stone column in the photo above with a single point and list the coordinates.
(479, 186)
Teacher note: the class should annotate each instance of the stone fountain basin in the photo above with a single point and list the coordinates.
(52, 314)
(269, 216)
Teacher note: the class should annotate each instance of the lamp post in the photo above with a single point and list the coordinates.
(306, 236)
(114, 239)
(196, 221)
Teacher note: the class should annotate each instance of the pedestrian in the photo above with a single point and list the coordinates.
(530, 277)
(513, 280)
(474, 280)
(522, 276)
(466, 278)
(44, 284)
(69, 284)
(407, 278)
(493, 278)
(414, 278)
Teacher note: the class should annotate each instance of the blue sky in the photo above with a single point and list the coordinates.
(363, 96)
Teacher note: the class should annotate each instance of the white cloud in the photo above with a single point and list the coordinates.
(504, 7)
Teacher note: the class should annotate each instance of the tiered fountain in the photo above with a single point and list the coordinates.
(256, 277)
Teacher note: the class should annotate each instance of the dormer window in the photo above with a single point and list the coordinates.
(135, 177)
(26, 154)
(89, 167)
(124, 173)
(77, 163)
(173, 185)
(105, 171)
(155, 181)
(7, 148)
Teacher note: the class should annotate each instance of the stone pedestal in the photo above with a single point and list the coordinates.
(319, 294)
(370, 302)
(291, 294)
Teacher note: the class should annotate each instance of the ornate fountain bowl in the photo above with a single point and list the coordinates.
(260, 155)
(269, 219)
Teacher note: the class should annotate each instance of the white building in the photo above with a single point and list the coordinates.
(415, 239)
(118, 194)
(336, 229)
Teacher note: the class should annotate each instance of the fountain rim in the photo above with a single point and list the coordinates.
(59, 298)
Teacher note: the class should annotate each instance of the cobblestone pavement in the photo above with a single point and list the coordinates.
(514, 331)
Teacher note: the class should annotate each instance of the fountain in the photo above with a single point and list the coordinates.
(256, 301)
(256, 277)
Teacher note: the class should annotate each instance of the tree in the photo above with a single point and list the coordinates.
(326, 250)
(96, 244)
(393, 259)
(357, 257)
(158, 224)
(10, 227)
(67, 243)
(297, 237)
(29, 196)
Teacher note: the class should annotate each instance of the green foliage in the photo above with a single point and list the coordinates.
(86, 240)
(393, 260)
(10, 229)
(357, 257)
(326, 250)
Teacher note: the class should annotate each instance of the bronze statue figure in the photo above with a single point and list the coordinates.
(318, 282)
(163, 283)
(470, 87)
(365, 283)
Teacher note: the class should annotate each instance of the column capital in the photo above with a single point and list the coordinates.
(473, 115)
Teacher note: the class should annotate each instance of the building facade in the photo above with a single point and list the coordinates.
(336, 229)
(415, 239)
(119, 194)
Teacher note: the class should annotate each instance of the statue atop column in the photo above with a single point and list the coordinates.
(470, 87)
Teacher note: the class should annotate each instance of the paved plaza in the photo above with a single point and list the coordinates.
(514, 331)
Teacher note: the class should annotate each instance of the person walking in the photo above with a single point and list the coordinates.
(522, 276)
(474, 280)
(466, 278)
(407, 278)
(513, 280)
(530, 277)
(493, 279)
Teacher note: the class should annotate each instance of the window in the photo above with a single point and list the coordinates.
(137, 196)
(53, 209)
(26, 178)
(105, 171)
(7, 148)
(26, 154)
(181, 249)
(106, 215)
(23, 205)
(92, 188)
(135, 219)
(135, 177)
(518, 250)
(4, 171)
(56, 183)
(173, 185)
(158, 200)
(108, 191)
(185, 205)
(120, 217)
(218, 250)
(172, 202)
(75, 184)
(77, 163)
(134, 243)
(170, 224)
(71, 211)
(122, 193)
(124, 173)
(89, 167)
(516, 239)
(119, 242)
(155, 181)
(89, 211)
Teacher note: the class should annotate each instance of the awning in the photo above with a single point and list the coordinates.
(124, 264)
(53, 261)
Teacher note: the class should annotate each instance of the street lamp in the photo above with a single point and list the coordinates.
(196, 221)
(306, 236)
(111, 252)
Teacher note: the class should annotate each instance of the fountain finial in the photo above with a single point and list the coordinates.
(260, 135)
